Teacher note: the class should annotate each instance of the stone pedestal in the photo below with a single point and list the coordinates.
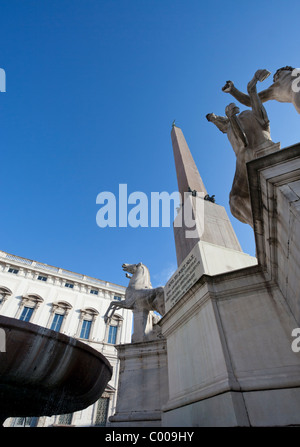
(266, 149)
(204, 258)
(143, 384)
(229, 335)
(213, 227)
(229, 354)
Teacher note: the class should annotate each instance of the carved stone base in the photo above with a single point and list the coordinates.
(266, 149)
(143, 384)
(229, 354)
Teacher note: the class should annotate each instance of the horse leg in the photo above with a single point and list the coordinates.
(142, 325)
(159, 301)
(115, 306)
(112, 307)
(106, 313)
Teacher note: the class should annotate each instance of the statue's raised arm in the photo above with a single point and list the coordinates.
(220, 121)
(249, 135)
(281, 90)
(255, 101)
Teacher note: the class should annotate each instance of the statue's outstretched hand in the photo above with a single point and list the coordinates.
(261, 75)
(228, 86)
(210, 116)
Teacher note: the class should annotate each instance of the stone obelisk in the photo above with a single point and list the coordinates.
(217, 229)
(188, 176)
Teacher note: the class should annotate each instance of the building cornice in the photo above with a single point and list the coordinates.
(35, 267)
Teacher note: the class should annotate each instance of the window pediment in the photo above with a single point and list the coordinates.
(90, 311)
(33, 297)
(5, 291)
(117, 317)
(63, 305)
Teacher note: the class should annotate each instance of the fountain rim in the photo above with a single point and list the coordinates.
(14, 323)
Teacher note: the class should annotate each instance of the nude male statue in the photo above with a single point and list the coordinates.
(248, 132)
(284, 89)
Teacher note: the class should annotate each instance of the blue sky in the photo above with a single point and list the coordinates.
(92, 89)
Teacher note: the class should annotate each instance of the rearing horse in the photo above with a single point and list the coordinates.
(141, 298)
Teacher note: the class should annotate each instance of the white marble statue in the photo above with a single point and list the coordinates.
(248, 133)
(285, 88)
(143, 300)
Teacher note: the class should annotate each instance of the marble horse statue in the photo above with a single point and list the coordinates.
(143, 300)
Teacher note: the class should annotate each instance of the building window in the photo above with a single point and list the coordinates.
(113, 329)
(102, 411)
(112, 334)
(118, 298)
(87, 320)
(23, 422)
(28, 306)
(11, 270)
(42, 278)
(94, 292)
(65, 419)
(58, 315)
(86, 329)
(26, 313)
(4, 293)
(57, 322)
(69, 284)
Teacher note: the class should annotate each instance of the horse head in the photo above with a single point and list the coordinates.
(131, 268)
(140, 275)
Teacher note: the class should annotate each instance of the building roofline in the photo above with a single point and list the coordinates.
(58, 271)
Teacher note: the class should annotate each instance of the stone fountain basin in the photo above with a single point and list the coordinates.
(44, 372)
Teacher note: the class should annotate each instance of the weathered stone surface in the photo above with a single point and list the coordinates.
(204, 258)
(233, 330)
(188, 176)
(274, 183)
(216, 227)
(143, 386)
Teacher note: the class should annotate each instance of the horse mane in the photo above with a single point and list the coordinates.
(287, 68)
(147, 273)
